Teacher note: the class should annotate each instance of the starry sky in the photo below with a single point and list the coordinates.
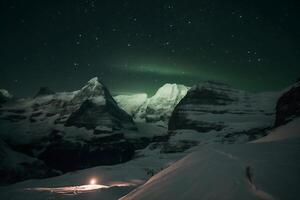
(137, 46)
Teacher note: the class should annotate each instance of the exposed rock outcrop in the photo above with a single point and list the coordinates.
(44, 91)
(218, 108)
(288, 105)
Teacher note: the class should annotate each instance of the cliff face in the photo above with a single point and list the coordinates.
(218, 108)
(288, 105)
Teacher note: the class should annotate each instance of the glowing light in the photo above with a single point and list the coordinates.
(78, 189)
(93, 181)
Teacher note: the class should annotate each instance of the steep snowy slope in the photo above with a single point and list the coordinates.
(156, 108)
(162, 104)
(132, 104)
(85, 128)
(222, 110)
(261, 170)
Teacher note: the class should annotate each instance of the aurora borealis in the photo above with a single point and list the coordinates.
(137, 46)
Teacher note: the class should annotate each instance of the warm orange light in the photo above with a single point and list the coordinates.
(93, 181)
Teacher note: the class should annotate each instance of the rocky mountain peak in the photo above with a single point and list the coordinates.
(44, 91)
(92, 89)
(170, 91)
(288, 106)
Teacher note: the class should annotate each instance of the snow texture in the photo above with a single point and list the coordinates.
(264, 170)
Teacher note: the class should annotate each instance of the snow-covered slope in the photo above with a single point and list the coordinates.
(132, 103)
(264, 170)
(156, 108)
(228, 113)
(162, 104)
(287, 131)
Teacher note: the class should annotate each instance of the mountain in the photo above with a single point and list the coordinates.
(228, 114)
(4, 96)
(98, 110)
(288, 105)
(69, 130)
(156, 108)
(191, 164)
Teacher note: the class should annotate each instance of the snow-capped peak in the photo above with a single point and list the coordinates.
(162, 104)
(170, 91)
(5, 93)
(93, 82)
(157, 108)
(92, 89)
(93, 85)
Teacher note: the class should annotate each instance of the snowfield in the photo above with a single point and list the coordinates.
(264, 170)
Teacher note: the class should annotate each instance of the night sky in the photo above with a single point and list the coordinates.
(137, 46)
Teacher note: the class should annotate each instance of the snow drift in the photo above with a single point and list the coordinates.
(239, 171)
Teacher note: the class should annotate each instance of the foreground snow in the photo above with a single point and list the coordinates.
(264, 170)
(113, 182)
(221, 172)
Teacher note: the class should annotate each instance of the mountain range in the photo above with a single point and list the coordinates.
(213, 123)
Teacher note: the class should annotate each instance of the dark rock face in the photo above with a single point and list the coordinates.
(15, 166)
(44, 91)
(220, 109)
(251, 134)
(98, 108)
(288, 105)
(67, 156)
(91, 115)
(207, 96)
(214, 95)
